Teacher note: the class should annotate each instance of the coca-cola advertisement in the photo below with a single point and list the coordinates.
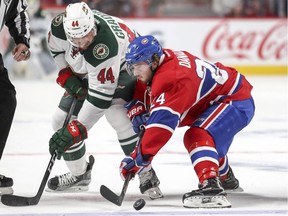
(244, 43)
(252, 45)
(232, 40)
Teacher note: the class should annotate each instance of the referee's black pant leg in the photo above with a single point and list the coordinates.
(7, 107)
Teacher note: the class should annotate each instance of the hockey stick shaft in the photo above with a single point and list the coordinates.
(14, 200)
(109, 194)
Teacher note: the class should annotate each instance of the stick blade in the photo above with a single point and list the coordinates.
(110, 195)
(14, 200)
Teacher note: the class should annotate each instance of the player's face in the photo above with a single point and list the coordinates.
(142, 71)
(84, 42)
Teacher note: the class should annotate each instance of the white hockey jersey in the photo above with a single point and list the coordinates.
(101, 62)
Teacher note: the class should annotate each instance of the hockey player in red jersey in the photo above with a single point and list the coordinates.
(212, 99)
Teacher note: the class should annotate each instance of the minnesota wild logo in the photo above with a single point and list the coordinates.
(57, 20)
(100, 51)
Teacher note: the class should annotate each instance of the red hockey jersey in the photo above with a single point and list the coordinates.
(183, 86)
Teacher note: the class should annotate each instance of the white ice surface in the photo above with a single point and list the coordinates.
(258, 156)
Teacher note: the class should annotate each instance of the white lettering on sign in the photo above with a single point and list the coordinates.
(224, 41)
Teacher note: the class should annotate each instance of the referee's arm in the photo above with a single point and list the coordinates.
(17, 21)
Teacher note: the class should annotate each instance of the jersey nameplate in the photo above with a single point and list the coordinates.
(112, 23)
(183, 59)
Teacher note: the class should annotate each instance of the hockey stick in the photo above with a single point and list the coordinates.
(110, 195)
(14, 200)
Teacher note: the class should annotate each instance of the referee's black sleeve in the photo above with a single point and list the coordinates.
(17, 21)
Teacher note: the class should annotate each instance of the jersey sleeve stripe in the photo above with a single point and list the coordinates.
(160, 126)
(165, 118)
(165, 108)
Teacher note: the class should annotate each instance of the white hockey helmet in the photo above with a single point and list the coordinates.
(78, 21)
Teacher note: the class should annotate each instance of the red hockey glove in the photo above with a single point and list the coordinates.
(134, 163)
(72, 84)
(65, 137)
(137, 113)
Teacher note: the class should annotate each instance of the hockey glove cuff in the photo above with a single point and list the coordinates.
(71, 83)
(137, 113)
(65, 137)
(137, 166)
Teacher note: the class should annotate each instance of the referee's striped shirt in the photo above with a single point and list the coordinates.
(14, 15)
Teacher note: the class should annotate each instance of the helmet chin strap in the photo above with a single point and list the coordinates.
(153, 72)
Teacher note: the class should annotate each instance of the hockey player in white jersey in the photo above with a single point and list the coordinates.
(89, 47)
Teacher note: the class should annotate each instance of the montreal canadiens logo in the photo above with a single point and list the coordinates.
(144, 41)
(100, 51)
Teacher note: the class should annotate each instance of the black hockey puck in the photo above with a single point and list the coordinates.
(139, 204)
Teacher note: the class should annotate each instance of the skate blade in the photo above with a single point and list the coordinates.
(237, 190)
(75, 189)
(207, 202)
(154, 193)
(6, 190)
